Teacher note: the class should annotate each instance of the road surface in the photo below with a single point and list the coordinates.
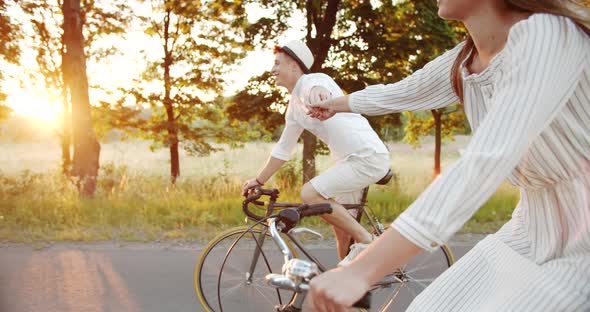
(104, 277)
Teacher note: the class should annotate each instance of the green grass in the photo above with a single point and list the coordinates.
(138, 204)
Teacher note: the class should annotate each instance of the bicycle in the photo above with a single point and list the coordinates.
(231, 269)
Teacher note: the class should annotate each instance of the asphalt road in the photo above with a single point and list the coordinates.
(104, 277)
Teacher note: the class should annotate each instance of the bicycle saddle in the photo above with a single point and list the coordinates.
(386, 178)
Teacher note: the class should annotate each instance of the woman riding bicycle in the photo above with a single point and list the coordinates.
(523, 76)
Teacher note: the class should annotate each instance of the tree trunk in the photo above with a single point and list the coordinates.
(171, 125)
(437, 139)
(172, 140)
(66, 135)
(309, 144)
(323, 23)
(86, 146)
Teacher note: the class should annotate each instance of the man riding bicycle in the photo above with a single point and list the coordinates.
(361, 157)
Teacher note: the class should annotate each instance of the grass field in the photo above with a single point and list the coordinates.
(135, 201)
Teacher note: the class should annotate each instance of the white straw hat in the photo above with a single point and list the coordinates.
(300, 53)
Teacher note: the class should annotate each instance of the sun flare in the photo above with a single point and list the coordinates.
(44, 110)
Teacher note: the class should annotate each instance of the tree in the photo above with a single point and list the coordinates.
(261, 100)
(86, 146)
(444, 122)
(358, 43)
(9, 50)
(48, 41)
(196, 48)
(4, 112)
(432, 36)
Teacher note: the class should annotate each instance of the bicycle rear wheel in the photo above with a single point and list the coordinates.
(222, 280)
(395, 292)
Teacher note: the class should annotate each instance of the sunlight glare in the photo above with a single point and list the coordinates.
(41, 108)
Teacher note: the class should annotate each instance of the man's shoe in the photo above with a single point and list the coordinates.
(355, 250)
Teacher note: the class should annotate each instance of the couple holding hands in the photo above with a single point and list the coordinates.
(523, 77)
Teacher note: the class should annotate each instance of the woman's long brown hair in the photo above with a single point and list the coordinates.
(577, 10)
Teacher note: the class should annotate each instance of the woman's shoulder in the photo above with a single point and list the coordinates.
(544, 32)
(545, 25)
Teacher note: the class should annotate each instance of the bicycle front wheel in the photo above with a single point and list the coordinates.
(227, 278)
(396, 291)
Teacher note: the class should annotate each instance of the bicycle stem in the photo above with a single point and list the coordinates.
(276, 236)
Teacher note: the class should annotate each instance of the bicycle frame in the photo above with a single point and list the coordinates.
(271, 228)
(272, 204)
(282, 226)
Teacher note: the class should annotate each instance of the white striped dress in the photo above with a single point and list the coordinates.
(530, 115)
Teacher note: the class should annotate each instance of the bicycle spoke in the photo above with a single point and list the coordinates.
(414, 270)
(228, 290)
(419, 283)
(233, 291)
(392, 297)
(265, 296)
(422, 280)
(421, 264)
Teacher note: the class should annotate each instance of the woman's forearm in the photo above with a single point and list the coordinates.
(340, 104)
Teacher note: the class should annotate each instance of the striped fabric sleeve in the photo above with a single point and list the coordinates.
(427, 88)
(543, 64)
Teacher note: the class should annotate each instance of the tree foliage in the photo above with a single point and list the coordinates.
(100, 19)
(358, 43)
(10, 51)
(196, 46)
(431, 36)
(423, 124)
(260, 101)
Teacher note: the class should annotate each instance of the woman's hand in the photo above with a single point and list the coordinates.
(324, 109)
(336, 290)
(321, 110)
(320, 113)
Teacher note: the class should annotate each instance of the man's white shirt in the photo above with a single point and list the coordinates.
(346, 134)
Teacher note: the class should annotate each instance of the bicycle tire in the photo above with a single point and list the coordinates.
(396, 292)
(248, 297)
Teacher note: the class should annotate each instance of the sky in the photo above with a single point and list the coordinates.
(27, 97)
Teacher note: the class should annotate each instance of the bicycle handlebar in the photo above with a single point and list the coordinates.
(314, 210)
(297, 273)
(303, 210)
(253, 197)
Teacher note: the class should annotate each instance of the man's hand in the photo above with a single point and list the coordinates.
(318, 106)
(248, 185)
(319, 94)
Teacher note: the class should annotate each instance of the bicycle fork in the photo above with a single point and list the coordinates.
(275, 234)
(304, 270)
(257, 250)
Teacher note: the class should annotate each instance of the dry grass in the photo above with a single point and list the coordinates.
(134, 200)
